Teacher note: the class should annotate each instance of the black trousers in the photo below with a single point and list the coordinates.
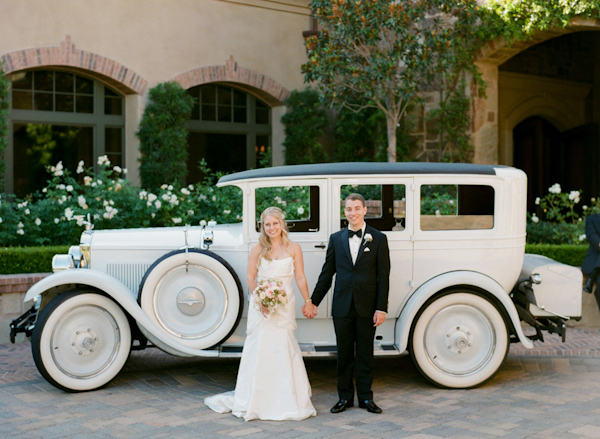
(594, 277)
(354, 337)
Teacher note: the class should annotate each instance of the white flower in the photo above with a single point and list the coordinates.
(0, 220)
(94, 184)
(111, 202)
(60, 201)
(184, 191)
(117, 169)
(20, 225)
(38, 221)
(103, 159)
(537, 200)
(106, 215)
(87, 180)
(300, 210)
(99, 182)
(27, 211)
(191, 187)
(109, 209)
(82, 202)
(80, 167)
(176, 220)
(368, 237)
(152, 197)
(158, 204)
(165, 197)
(45, 190)
(582, 237)
(574, 196)
(143, 194)
(214, 198)
(202, 197)
(437, 213)
(190, 212)
(163, 186)
(534, 218)
(227, 212)
(554, 189)
(80, 221)
(20, 231)
(58, 170)
(170, 187)
(174, 200)
(69, 188)
(56, 220)
(64, 198)
(62, 187)
(153, 215)
(584, 207)
(124, 170)
(69, 213)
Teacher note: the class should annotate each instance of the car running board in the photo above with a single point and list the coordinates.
(311, 350)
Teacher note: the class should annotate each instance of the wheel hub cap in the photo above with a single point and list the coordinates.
(84, 341)
(459, 339)
(190, 301)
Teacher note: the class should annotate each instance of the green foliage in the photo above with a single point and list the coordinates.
(380, 54)
(360, 136)
(567, 254)
(4, 113)
(55, 216)
(293, 200)
(305, 124)
(519, 19)
(163, 136)
(544, 232)
(16, 260)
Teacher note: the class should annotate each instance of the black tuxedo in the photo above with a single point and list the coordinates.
(360, 290)
(592, 234)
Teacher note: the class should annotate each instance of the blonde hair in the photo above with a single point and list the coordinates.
(264, 240)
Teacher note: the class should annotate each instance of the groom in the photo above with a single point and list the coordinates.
(360, 259)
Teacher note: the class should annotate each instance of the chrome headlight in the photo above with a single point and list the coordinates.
(62, 262)
(85, 247)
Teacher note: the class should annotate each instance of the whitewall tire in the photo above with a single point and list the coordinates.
(459, 340)
(81, 341)
(194, 296)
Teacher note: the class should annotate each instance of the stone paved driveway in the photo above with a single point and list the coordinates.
(552, 394)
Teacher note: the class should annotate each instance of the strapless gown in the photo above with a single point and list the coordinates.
(272, 383)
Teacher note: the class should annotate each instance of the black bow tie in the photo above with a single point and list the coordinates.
(351, 233)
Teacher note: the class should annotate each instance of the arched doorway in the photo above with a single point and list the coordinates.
(230, 129)
(58, 115)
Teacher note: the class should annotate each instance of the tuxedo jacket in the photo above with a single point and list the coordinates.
(365, 283)
(592, 234)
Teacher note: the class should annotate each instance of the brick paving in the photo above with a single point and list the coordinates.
(552, 391)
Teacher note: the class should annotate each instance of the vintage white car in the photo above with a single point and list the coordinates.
(460, 283)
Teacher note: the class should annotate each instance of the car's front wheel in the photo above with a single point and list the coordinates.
(81, 340)
(459, 340)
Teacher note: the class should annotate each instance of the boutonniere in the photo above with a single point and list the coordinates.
(368, 238)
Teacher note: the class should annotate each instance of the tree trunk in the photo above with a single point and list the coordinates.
(391, 136)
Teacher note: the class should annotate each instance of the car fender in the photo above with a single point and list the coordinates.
(123, 296)
(448, 280)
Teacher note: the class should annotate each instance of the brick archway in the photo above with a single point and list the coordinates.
(258, 84)
(111, 72)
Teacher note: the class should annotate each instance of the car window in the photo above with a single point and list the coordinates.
(457, 207)
(300, 205)
(386, 205)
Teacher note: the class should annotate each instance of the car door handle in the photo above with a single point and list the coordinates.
(320, 246)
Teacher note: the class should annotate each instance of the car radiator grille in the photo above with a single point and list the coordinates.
(130, 274)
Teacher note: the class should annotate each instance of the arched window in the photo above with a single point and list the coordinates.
(61, 116)
(229, 128)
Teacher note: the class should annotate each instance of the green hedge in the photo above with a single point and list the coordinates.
(17, 260)
(567, 254)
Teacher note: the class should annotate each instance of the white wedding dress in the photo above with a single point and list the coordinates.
(272, 383)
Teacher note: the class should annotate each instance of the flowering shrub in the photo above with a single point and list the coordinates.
(55, 216)
(559, 219)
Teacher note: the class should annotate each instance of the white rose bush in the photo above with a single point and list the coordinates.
(52, 216)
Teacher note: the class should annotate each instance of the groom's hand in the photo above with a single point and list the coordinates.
(378, 318)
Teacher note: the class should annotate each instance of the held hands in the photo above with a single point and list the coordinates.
(309, 310)
(378, 318)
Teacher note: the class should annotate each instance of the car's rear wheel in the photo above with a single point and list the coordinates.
(459, 340)
(81, 340)
(194, 296)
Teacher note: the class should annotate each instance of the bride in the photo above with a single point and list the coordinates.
(272, 383)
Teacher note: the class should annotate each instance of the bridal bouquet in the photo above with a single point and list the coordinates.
(269, 295)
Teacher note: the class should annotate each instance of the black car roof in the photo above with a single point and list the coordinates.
(360, 168)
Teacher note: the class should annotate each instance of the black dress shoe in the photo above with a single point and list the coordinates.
(342, 405)
(370, 406)
(589, 285)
